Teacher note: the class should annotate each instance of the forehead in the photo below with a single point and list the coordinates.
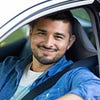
(53, 20)
(49, 22)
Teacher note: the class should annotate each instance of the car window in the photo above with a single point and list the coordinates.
(15, 36)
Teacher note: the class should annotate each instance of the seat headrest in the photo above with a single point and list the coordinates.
(83, 47)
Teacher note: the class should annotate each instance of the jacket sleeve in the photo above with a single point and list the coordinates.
(85, 84)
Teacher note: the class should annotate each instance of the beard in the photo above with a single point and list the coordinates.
(44, 59)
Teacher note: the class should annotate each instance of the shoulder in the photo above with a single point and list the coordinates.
(8, 63)
(10, 60)
(83, 75)
(82, 72)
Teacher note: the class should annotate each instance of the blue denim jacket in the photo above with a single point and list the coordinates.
(79, 81)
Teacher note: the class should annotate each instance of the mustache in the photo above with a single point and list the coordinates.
(43, 47)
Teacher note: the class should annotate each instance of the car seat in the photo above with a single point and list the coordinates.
(12, 49)
(83, 47)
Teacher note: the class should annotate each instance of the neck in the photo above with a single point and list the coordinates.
(38, 67)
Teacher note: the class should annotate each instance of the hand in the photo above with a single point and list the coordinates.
(70, 97)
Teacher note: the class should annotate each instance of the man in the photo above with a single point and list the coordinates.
(50, 36)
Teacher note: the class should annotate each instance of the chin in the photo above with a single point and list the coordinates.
(47, 60)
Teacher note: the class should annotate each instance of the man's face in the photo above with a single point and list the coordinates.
(50, 40)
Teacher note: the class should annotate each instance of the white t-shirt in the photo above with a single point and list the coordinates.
(26, 81)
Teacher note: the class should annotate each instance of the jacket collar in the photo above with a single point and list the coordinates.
(21, 65)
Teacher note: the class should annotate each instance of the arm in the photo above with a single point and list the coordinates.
(83, 84)
(70, 97)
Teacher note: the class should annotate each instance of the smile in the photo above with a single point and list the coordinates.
(47, 49)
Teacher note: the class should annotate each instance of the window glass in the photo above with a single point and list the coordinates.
(15, 36)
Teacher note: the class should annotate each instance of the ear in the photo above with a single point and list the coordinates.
(71, 41)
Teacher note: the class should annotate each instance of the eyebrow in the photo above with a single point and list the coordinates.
(57, 33)
(41, 30)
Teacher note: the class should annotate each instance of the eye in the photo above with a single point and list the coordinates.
(58, 37)
(41, 33)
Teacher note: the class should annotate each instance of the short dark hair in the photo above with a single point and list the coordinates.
(63, 15)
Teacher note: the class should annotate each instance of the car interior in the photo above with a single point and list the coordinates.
(81, 49)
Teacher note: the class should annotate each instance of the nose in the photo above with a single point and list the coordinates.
(49, 42)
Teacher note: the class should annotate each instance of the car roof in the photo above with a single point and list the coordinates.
(16, 13)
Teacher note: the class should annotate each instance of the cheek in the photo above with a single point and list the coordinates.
(35, 40)
(63, 46)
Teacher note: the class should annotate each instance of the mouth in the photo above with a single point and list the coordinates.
(47, 50)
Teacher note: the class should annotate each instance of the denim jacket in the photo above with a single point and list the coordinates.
(79, 81)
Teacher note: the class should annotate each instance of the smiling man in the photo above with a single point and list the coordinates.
(49, 41)
(50, 37)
